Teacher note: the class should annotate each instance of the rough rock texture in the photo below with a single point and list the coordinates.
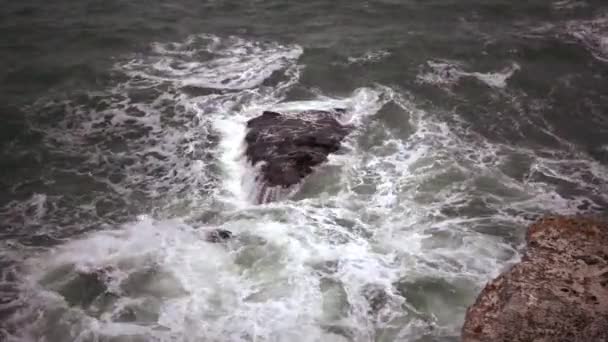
(558, 292)
(289, 146)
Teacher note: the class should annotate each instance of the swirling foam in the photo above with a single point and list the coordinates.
(593, 34)
(447, 73)
(390, 240)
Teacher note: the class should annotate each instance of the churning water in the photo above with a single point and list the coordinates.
(110, 189)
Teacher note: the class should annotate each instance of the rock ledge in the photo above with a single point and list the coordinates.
(558, 292)
(288, 146)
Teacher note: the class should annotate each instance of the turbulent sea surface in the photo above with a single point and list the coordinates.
(121, 147)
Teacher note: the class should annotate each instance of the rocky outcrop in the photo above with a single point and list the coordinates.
(290, 146)
(558, 292)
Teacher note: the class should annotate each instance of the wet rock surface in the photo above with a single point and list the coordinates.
(289, 146)
(558, 292)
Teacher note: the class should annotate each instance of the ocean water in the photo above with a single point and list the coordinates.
(121, 147)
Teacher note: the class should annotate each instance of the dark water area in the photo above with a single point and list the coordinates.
(121, 144)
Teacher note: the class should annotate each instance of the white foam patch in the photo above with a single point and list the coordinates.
(363, 103)
(245, 292)
(201, 291)
(237, 63)
(448, 73)
(163, 138)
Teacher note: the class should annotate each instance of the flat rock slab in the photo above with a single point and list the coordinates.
(558, 292)
(289, 146)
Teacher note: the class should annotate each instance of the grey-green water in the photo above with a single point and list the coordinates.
(121, 147)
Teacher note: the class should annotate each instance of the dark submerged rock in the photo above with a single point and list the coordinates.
(290, 146)
(125, 315)
(558, 292)
(84, 288)
(376, 297)
(218, 235)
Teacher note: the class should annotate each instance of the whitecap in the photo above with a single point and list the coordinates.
(448, 73)
(369, 57)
